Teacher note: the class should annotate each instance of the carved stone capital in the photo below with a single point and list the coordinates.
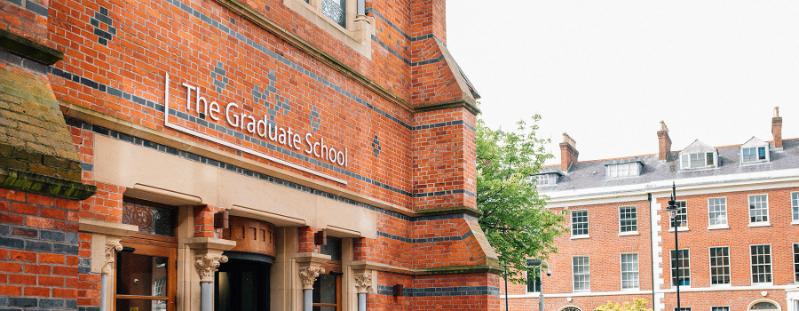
(207, 263)
(309, 272)
(112, 246)
(363, 281)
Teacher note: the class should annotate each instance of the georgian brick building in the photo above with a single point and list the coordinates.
(237, 155)
(738, 226)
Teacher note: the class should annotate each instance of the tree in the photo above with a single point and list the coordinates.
(636, 305)
(514, 217)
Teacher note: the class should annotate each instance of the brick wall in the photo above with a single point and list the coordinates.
(604, 247)
(39, 256)
(116, 55)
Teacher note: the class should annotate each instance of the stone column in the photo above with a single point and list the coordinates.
(363, 282)
(309, 271)
(112, 246)
(207, 258)
(207, 264)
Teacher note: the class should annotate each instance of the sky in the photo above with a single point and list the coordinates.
(607, 72)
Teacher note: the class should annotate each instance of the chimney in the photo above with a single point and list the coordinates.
(664, 142)
(776, 128)
(568, 153)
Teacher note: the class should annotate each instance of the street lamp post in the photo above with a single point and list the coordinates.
(673, 209)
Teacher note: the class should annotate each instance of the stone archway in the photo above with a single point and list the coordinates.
(570, 308)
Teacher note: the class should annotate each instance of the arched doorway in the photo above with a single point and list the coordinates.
(570, 308)
(764, 305)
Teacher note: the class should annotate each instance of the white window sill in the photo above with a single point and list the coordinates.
(762, 284)
(718, 227)
(631, 289)
(631, 233)
(760, 224)
(579, 237)
(680, 229)
(795, 222)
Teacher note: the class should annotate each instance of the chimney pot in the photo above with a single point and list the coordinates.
(568, 153)
(664, 142)
(776, 128)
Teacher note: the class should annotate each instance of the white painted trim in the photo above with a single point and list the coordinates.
(730, 288)
(766, 223)
(657, 255)
(234, 146)
(636, 220)
(771, 265)
(726, 224)
(621, 272)
(710, 266)
(578, 294)
(688, 186)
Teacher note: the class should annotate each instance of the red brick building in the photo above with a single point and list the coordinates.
(738, 225)
(237, 155)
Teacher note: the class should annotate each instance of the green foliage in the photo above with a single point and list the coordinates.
(514, 217)
(636, 305)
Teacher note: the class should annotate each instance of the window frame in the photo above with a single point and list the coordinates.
(684, 226)
(536, 282)
(671, 266)
(334, 267)
(587, 224)
(634, 220)
(142, 245)
(550, 179)
(713, 308)
(794, 208)
(687, 160)
(623, 170)
(767, 222)
(582, 274)
(637, 271)
(726, 223)
(796, 262)
(729, 266)
(757, 158)
(770, 265)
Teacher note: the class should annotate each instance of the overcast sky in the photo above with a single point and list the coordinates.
(608, 71)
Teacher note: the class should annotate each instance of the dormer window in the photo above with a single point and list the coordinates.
(546, 179)
(628, 169)
(754, 150)
(697, 156)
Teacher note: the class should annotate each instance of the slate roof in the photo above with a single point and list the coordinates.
(591, 174)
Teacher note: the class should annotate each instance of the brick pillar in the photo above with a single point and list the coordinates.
(204, 221)
(305, 239)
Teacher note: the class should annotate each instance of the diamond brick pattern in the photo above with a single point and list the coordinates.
(376, 146)
(103, 26)
(219, 75)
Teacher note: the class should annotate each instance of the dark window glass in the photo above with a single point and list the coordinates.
(761, 263)
(141, 276)
(332, 248)
(326, 292)
(628, 219)
(579, 223)
(680, 269)
(151, 218)
(533, 279)
(719, 265)
(796, 261)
